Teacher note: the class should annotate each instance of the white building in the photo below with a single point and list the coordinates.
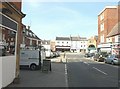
(63, 44)
(78, 44)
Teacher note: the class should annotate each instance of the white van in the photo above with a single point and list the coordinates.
(31, 58)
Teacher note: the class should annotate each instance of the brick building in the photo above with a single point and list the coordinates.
(115, 36)
(29, 39)
(10, 26)
(107, 19)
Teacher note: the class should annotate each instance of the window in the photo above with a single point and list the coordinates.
(102, 16)
(26, 32)
(102, 27)
(108, 40)
(62, 42)
(102, 38)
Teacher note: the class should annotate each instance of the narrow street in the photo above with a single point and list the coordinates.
(87, 73)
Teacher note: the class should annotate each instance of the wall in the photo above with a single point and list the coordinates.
(110, 19)
(7, 71)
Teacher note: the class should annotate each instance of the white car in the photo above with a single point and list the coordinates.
(113, 59)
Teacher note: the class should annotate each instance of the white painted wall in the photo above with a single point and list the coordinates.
(78, 44)
(8, 70)
(63, 43)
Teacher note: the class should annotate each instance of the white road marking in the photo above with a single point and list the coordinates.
(100, 71)
(86, 63)
(66, 79)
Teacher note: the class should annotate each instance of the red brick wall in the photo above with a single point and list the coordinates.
(27, 42)
(34, 42)
(110, 20)
(18, 5)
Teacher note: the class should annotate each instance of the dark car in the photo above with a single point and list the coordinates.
(100, 57)
(89, 55)
(96, 56)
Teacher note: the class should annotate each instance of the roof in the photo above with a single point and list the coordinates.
(31, 34)
(115, 30)
(77, 38)
(107, 7)
(63, 38)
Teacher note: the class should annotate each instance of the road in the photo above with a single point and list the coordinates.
(82, 72)
(77, 72)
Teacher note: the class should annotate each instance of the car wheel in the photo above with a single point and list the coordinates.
(105, 61)
(98, 60)
(33, 67)
(112, 63)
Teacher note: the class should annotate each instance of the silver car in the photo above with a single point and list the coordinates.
(113, 59)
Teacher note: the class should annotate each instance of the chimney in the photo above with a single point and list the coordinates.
(28, 27)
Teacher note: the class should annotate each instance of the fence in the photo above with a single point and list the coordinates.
(7, 70)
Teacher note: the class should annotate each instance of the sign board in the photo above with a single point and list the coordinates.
(46, 65)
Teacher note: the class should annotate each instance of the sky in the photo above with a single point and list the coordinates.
(50, 19)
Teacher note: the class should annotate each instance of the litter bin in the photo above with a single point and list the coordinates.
(46, 65)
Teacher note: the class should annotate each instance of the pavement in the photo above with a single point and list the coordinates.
(54, 78)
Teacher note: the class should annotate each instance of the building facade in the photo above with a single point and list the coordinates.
(107, 19)
(46, 44)
(92, 43)
(115, 36)
(62, 44)
(29, 39)
(52, 44)
(78, 44)
(10, 29)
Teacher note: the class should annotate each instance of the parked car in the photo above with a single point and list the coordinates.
(100, 57)
(96, 56)
(89, 55)
(113, 59)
